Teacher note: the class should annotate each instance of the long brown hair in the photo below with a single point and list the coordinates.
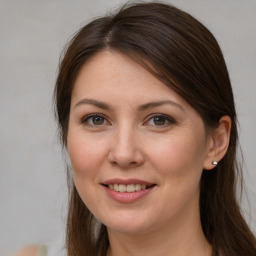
(182, 53)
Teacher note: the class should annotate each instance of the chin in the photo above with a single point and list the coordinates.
(128, 224)
(128, 229)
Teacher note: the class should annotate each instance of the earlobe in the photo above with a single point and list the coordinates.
(219, 143)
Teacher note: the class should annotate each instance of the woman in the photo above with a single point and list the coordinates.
(146, 112)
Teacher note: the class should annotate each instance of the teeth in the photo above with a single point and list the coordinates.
(138, 187)
(116, 187)
(122, 188)
(127, 188)
(130, 188)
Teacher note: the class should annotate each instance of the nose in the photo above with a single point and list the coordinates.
(125, 149)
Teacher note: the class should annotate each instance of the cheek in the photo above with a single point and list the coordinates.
(178, 155)
(179, 162)
(86, 157)
(85, 154)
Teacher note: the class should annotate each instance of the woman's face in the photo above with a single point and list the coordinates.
(137, 148)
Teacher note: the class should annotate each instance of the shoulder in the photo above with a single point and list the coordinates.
(28, 251)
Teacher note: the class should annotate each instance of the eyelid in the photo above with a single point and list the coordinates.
(170, 119)
(84, 119)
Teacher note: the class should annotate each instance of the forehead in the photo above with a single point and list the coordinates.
(114, 75)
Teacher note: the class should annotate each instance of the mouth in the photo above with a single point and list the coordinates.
(129, 188)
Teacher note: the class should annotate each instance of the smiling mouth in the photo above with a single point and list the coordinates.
(130, 188)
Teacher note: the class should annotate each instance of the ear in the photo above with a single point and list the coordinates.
(218, 143)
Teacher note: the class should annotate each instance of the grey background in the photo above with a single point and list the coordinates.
(33, 190)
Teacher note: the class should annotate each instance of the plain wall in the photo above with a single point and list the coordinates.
(33, 191)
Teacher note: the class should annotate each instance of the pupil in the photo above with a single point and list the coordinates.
(159, 120)
(97, 120)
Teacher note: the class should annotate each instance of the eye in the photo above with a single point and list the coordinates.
(160, 120)
(94, 120)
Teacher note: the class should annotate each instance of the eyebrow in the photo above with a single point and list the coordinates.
(96, 103)
(142, 107)
(159, 103)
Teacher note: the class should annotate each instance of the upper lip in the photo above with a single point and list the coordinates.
(127, 182)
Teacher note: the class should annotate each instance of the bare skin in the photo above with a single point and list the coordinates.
(112, 136)
(126, 125)
(185, 242)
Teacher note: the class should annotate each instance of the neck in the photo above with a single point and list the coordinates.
(184, 238)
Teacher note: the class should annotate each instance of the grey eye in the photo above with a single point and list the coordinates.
(98, 120)
(159, 120)
(94, 120)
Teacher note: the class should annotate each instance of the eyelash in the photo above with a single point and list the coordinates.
(166, 118)
(86, 119)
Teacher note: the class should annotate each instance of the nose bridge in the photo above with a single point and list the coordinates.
(125, 150)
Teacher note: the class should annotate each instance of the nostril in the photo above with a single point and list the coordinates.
(125, 158)
(114, 163)
(122, 163)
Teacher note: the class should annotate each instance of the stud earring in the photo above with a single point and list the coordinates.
(214, 162)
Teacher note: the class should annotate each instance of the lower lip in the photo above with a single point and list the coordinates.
(127, 197)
